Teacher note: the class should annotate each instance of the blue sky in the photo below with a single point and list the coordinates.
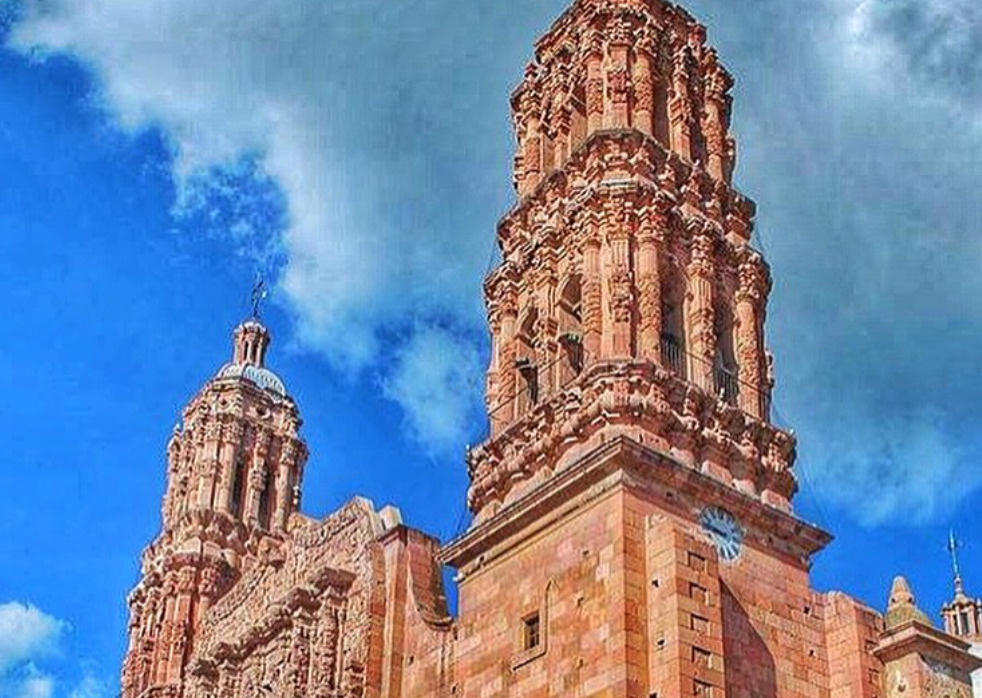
(358, 151)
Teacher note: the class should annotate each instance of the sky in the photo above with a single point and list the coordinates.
(155, 156)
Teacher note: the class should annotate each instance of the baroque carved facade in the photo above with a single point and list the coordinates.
(633, 529)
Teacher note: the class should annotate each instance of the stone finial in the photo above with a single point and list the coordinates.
(903, 608)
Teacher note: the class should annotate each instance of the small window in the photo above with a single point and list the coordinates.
(702, 658)
(699, 624)
(532, 632)
(699, 593)
(697, 562)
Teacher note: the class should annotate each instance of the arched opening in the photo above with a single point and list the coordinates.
(239, 482)
(673, 352)
(266, 503)
(725, 371)
(660, 104)
(525, 364)
(570, 330)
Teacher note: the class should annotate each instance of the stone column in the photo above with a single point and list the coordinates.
(594, 88)
(504, 409)
(289, 456)
(644, 93)
(207, 466)
(532, 155)
(232, 443)
(749, 299)
(619, 284)
(172, 505)
(651, 240)
(592, 296)
(257, 478)
(165, 631)
(548, 334)
(564, 127)
(618, 85)
(187, 578)
(680, 107)
(714, 124)
(701, 316)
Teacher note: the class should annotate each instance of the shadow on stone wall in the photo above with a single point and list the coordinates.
(750, 668)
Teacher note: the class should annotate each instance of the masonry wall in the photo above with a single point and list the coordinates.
(748, 629)
(635, 602)
(573, 576)
(851, 634)
(419, 634)
(977, 676)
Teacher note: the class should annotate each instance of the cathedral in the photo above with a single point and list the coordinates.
(633, 530)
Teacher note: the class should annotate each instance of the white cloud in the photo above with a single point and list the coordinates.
(26, 633)
(931, 47)
(907, 464)
(313, 97)
(369, 118)
(90, 687)
(33, 684)
(30, 641)
(437, 380)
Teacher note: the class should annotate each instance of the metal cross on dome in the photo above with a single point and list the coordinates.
(259, 294)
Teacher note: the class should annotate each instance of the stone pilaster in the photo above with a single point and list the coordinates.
(595, 89)
(619, 281)
(680, 106)
(642, 83)
(749, 299)
(651, 243)
(701, 315)
(593, 315)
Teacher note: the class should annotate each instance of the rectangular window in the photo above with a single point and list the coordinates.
(531, 632)
(703, 690)
(702, 658)
(697, 562)
(700, 624)
(699, 593)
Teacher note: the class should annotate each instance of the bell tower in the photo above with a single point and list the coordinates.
(633, 532)
(630, 300)
(234, 466)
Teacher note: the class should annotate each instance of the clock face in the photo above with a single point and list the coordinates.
(725, 532)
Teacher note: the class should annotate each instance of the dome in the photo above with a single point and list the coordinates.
(262, 377)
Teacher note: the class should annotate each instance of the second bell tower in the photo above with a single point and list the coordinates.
(234, 466)
(633, 532)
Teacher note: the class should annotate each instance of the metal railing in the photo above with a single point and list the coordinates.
(673, 355)
(727, 385)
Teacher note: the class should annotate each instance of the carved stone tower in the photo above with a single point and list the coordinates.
(633, 502)
(629, 299)
(234, 469)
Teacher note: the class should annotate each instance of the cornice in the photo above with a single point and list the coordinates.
(626, 463)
